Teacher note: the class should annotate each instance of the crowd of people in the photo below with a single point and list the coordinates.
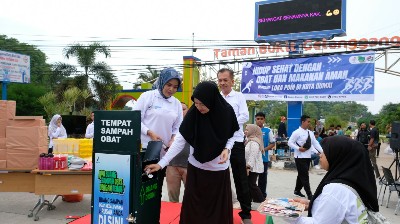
(213, 136)
(203, 144)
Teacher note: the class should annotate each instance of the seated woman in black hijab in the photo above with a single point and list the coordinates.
(208, 127)
(349, 171)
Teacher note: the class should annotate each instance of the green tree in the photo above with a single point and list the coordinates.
(273, 111)
(85, 94)
(70, 97)
(311, 110)
(50, 105)
(86, 55)
(389, 113)
(60, 73)
(106, 87)
(104, 83)
(335, 120)
(40, 71)
(347, 111)
(26, 97)
(149, 76)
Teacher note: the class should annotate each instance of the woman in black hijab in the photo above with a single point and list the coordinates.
(349, 169)
(208, 127)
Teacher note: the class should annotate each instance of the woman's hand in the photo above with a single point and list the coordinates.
(153, 136)
(224, 156)
(303, 201)
(151, 168)
(170, 142)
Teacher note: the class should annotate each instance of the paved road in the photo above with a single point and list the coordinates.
(14, 207)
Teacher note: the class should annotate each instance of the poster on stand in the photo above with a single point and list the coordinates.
(15, 67)
(111, 188)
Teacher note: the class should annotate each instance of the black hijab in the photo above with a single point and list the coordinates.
(349, 164)
(208, 133)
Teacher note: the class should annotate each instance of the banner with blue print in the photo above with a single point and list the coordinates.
(345, 77)
(111, 188)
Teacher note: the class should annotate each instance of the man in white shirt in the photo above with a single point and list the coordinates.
(238, 161)
(301, 141)
(90, 128)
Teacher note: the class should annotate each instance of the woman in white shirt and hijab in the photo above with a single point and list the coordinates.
(208, 127)
(254, 163)
(161, 114)
(349, 171)
(56, 130)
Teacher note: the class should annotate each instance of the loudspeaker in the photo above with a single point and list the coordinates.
(394, 139)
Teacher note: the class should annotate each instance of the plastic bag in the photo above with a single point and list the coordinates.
(388, 150)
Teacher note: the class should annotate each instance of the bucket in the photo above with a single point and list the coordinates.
(72, 197)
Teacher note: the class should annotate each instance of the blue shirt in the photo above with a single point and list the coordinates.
(265, 132)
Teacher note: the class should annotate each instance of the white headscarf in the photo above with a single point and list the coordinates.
(53, 126)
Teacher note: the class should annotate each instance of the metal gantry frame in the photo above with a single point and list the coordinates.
(389, 65)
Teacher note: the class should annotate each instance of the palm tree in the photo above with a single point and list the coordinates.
(60, 72)
(51, 105)
(85, 94)
(106, 87)
(150, 76)
(86, 55)
(98, 72)
(70, 97)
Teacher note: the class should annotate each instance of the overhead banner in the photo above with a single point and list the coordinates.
(346, 77)
(15, 67)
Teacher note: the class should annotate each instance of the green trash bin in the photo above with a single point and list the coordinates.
(121, 192)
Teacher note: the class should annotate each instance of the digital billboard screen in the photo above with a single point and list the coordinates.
(282, 20)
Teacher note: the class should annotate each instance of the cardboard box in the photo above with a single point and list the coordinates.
(28, 150)
(11, 109)
(25, 121)
(22, 160)
(23, 137)
(3, 109)
(3, 164)
(2, 143)
(3, 125)
(27, 117)
(3, 153)
(7, 109)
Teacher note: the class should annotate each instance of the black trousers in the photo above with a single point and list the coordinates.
(378, 149)
(303, 179)
(255, 191)
(263, 179)
(238, 165)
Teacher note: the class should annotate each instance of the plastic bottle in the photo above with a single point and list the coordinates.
(41, 161)
(63, 162)
(45, 161)
(50, 162)
(57, 161)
